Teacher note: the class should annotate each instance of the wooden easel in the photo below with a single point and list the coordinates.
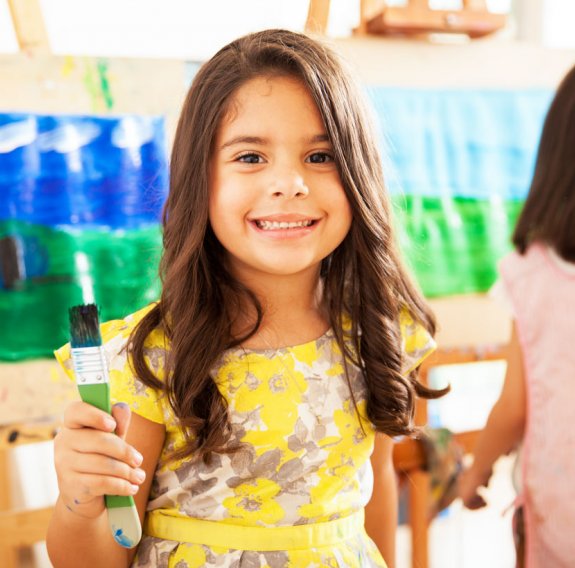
(409, 457)
(33, 395)
(29, 26)
(414, 19)
(20, 528)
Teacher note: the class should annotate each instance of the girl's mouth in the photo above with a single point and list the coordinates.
(282, 225)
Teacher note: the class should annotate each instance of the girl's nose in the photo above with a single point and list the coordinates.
(289, 185)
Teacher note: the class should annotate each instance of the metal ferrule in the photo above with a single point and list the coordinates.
(90, 366)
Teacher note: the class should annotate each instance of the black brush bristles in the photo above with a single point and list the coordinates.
(85, 326)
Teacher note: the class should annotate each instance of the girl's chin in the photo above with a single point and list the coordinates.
(277, 268)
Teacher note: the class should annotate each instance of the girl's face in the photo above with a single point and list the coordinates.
(277, 204)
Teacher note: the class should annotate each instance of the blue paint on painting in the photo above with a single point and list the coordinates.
(477, 144)
(82, 170)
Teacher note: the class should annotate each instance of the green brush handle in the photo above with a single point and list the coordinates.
(92, 380)
(114, 501)
(99, 396)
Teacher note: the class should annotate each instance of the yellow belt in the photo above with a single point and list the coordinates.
(222, 534)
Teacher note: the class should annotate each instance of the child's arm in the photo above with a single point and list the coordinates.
(91, 462)
(381, 511)
(503, 431)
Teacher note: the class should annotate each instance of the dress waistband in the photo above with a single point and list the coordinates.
(263, 539)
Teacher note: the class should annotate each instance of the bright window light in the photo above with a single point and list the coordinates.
(188, 29)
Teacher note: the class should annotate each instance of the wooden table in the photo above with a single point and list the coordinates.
(33, 395)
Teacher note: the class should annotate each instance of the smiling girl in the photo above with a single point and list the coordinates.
(258, 396)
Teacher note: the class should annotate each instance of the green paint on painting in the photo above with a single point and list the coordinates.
(97, 83)
(91, 84)
(102, 67)
(123, 266)
(452, 245)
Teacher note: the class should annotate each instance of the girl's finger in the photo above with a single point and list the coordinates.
(92, 485)
(82, 415)
(89, 441)
(94, 464)
(121, 414)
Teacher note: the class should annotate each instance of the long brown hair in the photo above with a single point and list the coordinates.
(363, 277)
(549, 211)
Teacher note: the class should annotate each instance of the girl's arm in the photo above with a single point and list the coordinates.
(503, 431)
(381, 511)
(78, 541)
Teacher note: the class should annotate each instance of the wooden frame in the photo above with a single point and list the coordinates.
(29, 26)
(473, 19)
(416, 18)
(20, 527)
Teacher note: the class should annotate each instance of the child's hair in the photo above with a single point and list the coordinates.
(549, 211)
(363, 278)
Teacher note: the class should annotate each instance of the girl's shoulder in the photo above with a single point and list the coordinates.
(124, 385)
(115, 335)
(416, 342)
(121, 329)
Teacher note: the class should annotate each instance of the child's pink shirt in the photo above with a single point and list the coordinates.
(542, 294)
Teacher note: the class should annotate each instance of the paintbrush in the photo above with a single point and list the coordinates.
(91, 371)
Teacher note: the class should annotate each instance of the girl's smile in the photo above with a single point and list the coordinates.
(277, 204)
(285, 226)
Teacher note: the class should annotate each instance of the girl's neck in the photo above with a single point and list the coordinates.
(293, 311)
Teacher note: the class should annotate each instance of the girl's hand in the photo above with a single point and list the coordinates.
(468, 485)
(92, 459)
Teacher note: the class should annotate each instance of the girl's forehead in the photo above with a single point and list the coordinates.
(266, 86)
(259, 92)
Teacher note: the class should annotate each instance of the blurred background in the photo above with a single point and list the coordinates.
(89, 97)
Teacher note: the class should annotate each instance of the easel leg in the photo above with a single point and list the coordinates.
(418, 518)
(9, 554)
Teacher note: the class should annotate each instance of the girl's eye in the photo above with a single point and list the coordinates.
(320, 158)
(249, 158)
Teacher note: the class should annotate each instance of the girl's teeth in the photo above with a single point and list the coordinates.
(275, 225)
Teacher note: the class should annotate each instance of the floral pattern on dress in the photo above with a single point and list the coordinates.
(304, 450)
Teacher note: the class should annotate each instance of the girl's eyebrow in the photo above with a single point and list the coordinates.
(258, 140)
(244, 140)
(319, 138)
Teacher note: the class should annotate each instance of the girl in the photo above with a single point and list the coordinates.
(535, 405)
(286, 336)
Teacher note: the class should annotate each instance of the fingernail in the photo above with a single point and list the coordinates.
(133, 489)
(140, 475)
(137, 457)
(110, 423)
(122, 404)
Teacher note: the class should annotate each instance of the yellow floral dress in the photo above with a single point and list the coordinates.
(304, 460)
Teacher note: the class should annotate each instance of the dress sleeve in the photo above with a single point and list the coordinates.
(417, 342)
(124, 385)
